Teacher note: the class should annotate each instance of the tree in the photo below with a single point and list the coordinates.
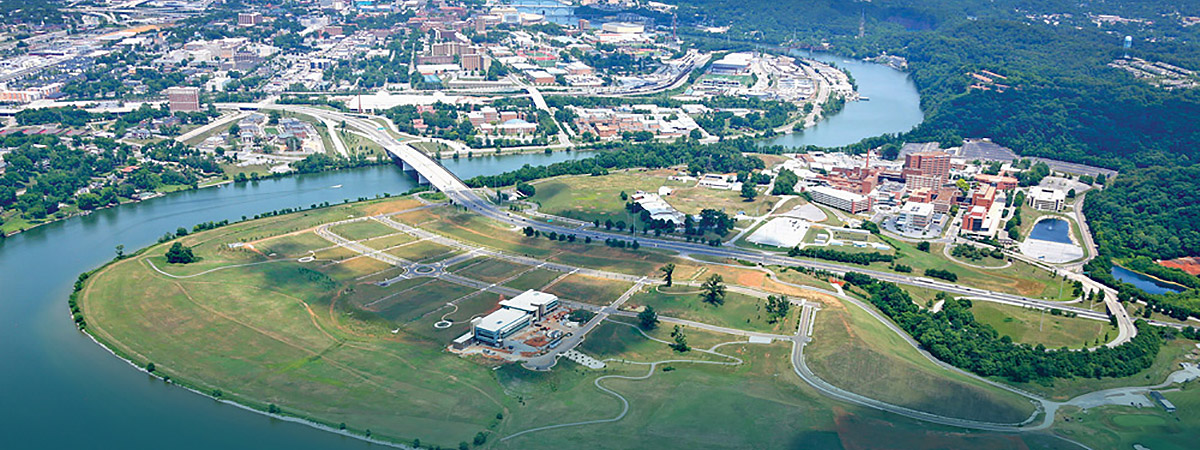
(680, 344)
(178, 254)
(668, 271)
(748, 191)
(713, 290)
(785, 183)
(526, 189)
(648, 318)
(120, 251)
(777, 307)
(923, 246)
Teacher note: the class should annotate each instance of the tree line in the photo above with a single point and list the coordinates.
(953, 335)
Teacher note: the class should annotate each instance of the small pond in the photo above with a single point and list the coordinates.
(1053, 230)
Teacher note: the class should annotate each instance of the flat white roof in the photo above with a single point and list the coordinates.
(1048, 194)
(840, 194)
(529, 300)
(918, 208)
(781, 232)
(501, 319)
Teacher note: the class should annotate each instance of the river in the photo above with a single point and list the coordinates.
(894, 106)
(61, 390)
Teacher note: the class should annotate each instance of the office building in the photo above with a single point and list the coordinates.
(183, 98)
(513, 316)
(926, 169)
(249, 19)
(535, 303)
(975, 220)
(1044, 199)
(493, 328)
(915, 215)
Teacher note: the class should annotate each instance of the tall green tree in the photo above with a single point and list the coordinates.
(648, 318)
(713, 290)
(180, 254)
(668, 272)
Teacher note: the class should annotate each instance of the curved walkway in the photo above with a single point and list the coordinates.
(653, 366)
(206, 272)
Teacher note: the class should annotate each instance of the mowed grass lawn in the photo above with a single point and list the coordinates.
(856, 352)
(1020, 278)
(758, 404)
(357, 231)
(596, 291)
(1037, 327)
(491, 270)
(292, 334)
(1123, 427)
(740, 311)
(268, 335)
(591, 198)
(423, 251)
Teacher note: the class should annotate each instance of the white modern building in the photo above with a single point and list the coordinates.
(915, 215)
(1047, 199)
(658, 208)
(513, 316)
(532, 302)
(843, 200)
(493, 328)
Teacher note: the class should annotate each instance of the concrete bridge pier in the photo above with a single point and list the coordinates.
(408, 168)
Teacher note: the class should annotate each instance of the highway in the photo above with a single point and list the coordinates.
(459, 193)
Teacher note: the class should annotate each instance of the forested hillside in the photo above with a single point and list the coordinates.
(1149, 214)
(1059, 98)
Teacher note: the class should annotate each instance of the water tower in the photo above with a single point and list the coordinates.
(1127, 45)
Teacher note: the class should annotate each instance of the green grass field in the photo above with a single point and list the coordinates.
(367, 229)
(597, 291)
(533, 279)
(423, 251)
(321, 341)
(740, 311)
(1020, 278)
(1123, 427)
(591, 198)
(854, 351)
(1035, 327)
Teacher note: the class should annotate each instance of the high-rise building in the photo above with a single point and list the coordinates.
(926, 169)
(183, 98)
(249, 19)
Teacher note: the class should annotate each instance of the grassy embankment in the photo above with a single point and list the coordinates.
(321, 342)
(1037, 327)
(854, 351)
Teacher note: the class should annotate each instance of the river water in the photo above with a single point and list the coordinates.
(61, 390)
(894, 106)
